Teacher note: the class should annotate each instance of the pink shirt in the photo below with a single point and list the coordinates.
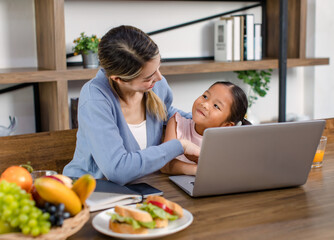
(185, 129)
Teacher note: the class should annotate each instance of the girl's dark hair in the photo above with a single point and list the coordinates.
(123, 52)
(239, 104)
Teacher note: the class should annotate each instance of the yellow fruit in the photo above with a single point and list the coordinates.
(66, 180)
(84, 187)
(55, 192)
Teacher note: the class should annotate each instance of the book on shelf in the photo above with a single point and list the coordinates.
(257, 41)
(248, 36)
(108, 194)
(223, 39)
(238, 38)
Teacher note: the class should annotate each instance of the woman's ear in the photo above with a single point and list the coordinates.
(115, 78)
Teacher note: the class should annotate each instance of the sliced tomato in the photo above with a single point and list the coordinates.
(162, 206)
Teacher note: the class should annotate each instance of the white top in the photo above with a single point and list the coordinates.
(139, 132)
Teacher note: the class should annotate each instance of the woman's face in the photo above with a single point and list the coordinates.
(213, 108)
(147, 78)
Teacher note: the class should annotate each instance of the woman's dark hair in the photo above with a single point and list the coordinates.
(123, 52)
(239, 104)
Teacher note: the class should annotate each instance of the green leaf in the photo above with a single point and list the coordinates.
(128, 220)
(150, 225)
(135, 224)
(157, 212)
(258, 80)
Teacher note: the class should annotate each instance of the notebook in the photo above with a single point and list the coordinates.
(108, 194)
(254, 157)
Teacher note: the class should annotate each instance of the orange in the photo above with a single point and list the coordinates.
(18, 175)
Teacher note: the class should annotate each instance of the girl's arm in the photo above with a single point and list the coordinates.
(176, 166)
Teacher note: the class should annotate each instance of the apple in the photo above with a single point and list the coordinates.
(40, 202)
(65, 179)
(55, 178)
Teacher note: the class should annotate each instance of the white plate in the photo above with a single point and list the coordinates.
(101, 223)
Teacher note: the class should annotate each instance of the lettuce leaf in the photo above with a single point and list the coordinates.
(149, 225)
(135, 224)
(157, 212)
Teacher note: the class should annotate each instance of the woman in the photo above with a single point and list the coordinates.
(122, 110)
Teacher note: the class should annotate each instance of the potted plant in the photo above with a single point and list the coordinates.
(258, 80)
(87, 47)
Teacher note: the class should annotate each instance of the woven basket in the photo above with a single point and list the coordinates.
(70, 226)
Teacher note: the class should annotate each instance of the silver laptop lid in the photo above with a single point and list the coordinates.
(256, 157)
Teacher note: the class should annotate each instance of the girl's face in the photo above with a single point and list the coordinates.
(213, 108)
(146, 80)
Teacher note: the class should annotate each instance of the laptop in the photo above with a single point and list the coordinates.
(253, 157)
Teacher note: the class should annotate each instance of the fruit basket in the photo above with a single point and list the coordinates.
(70, 226)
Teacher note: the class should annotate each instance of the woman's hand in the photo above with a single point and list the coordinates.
(191, 150)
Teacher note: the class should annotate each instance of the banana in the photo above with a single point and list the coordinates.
(84, 186)
(55, 192)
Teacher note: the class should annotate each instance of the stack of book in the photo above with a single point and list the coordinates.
(237, 38)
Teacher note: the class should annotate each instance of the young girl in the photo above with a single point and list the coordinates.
(222, 105)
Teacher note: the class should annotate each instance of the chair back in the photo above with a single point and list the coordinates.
(45, 150)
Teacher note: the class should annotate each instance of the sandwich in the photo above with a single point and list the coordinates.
(130, 220)
(161, 210)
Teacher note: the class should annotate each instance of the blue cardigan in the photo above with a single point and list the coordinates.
(105, 145)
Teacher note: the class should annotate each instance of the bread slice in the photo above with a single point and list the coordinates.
(161, 223)
(135, 213)
(126, 228)
(177, 209)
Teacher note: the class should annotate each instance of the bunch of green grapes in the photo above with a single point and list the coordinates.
(19, 212)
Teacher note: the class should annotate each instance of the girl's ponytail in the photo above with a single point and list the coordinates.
(245, 122)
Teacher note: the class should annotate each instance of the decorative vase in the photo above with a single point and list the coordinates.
(90, 60)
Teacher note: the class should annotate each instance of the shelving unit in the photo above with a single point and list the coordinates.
(52, 74)
(170, 68)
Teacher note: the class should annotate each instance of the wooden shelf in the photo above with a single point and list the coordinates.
(24, 75)
(175, 68)
(51, 54)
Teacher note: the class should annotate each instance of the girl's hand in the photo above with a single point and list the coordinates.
(191, 150)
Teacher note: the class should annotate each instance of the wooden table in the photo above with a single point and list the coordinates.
(305, 212)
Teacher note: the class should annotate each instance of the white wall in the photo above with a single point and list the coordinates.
(192, 41)
(324, 79)
(308, 89)
(17, 49)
